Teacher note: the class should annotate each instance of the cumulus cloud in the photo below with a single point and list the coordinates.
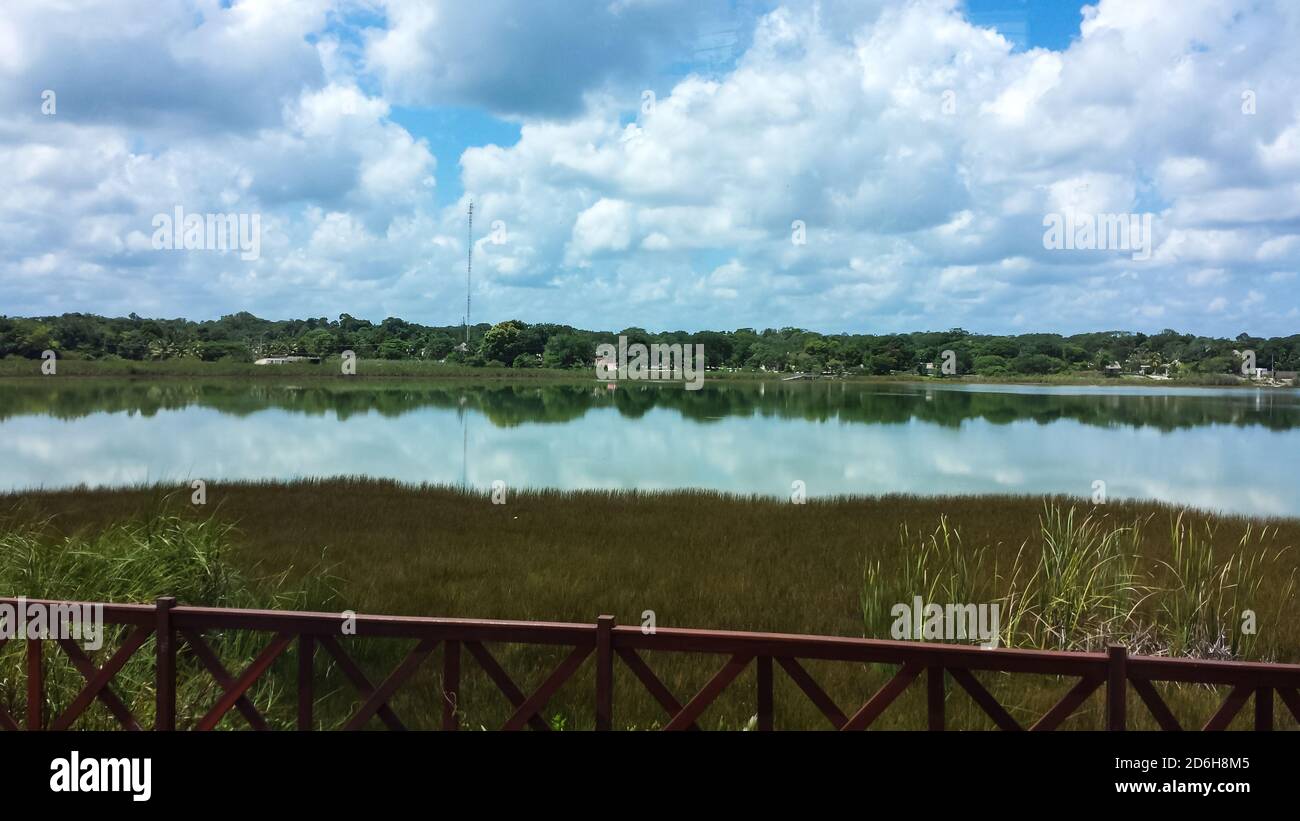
(189, 64)
(934, 149)
(527, 59)
(881, 166)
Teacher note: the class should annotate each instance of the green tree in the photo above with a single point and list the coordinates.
(37, 339)
(990, 365)
(212, 351)
(568, 351)
(132, 345)
(319, 342)
(502, 342)
(1036, 364)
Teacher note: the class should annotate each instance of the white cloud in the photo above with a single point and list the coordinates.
(605, 226)
(920, 151)
(523, 58)
(1207, 277)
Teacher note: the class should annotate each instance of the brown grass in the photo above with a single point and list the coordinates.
(696, 559)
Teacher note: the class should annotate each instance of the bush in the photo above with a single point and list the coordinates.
(138, 561)
(990, 365)
(1037, 363)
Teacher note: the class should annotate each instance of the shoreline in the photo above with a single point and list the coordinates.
(160, 488)
(378, 370)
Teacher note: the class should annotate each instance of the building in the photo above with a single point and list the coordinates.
(287, 360)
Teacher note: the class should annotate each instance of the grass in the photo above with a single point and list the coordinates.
(939, 568)
(1068, 576)
(1077, 587)
(154, 554)
(1207, 596)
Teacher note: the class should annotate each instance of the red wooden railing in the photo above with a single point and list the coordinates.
(1115, 670)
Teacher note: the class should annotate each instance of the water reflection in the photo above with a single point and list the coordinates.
(1220, 449)
(515, 404)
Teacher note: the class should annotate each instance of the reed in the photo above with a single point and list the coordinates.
(1085, 581)
(138, 560)
(1076, 586)
(938, 568)
(1208, 606)
(695, 558)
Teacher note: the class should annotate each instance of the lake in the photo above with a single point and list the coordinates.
(1220, 449)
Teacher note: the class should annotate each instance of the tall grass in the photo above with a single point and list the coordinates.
(1080, 585)
(1085, 582)
(697, 559)
(938, 568)
(1208, 608)
(137, 561)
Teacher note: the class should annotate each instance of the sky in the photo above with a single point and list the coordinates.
(866, 166)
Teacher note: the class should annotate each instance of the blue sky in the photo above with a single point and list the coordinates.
(1029, 23)
(842, 165)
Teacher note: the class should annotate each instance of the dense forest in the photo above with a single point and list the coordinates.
(517, 344)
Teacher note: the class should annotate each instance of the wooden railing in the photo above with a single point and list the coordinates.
(1115, 671)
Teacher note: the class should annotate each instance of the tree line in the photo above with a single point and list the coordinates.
(508, 403)
(517, 344)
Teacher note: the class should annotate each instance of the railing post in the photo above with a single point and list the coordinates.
(306, 675)
(1116, 687)
(764, 692)
(165, 665)
(450, 685)
(35, 684)
(934, 697)
(1263, 708)
(604, 672)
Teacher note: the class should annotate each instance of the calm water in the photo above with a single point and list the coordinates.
(1218, 449)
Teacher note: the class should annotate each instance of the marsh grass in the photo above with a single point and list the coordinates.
(1084, 581)
(137, 560)
(1203, 604)
(1075, 585)
(938, 568)
(701, 559)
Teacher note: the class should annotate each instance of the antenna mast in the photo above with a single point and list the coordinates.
(469, 269)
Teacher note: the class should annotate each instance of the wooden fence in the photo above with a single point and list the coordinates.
(311, 633)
